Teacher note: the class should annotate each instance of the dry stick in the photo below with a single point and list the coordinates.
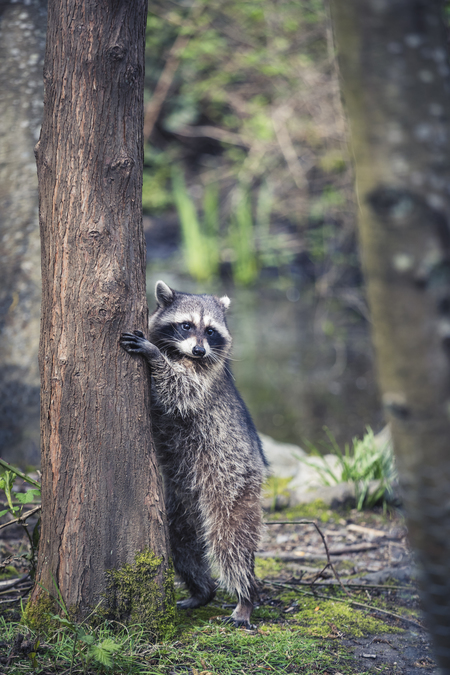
(352, 602)
(7, 587)
(382, 587)
(330, 564)
(20, 518)
(217, 133)
(10, 602)
(153, 108)
(289, 153)
(24, 590)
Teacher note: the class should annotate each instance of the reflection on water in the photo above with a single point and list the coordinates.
(299, 363)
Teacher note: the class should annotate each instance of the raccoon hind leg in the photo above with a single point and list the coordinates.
(233, 538)
(189, 556)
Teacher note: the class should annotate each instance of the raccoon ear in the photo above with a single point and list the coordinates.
(225, 302)
(164, 295)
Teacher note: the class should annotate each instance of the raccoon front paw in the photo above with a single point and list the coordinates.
(136, 343)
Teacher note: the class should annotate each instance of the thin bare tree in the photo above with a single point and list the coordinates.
(395, 81)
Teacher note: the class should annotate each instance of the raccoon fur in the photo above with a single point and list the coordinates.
(207, 446)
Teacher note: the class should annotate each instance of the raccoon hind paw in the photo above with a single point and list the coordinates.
(194, 601)
(238, 623)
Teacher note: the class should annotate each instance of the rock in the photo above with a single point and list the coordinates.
(282, 457)
(276, 502)
(334, 496)
(401, 574)
(309, 474)
(313, 472)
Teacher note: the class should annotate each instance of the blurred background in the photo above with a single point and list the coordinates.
(248, 190)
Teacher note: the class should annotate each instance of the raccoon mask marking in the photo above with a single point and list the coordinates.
(190, 326)
(207, 446)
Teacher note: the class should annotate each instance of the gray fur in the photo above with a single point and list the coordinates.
(207, 446)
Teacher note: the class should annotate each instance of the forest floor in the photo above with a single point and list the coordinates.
(304, 622)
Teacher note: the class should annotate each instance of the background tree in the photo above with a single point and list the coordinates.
(103, 532)
(395, 81)
(22, 43)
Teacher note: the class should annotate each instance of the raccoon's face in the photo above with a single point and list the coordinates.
(190, 325)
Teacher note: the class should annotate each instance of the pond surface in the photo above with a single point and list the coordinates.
(300, 363)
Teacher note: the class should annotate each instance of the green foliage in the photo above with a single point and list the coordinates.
(366, 462)
(199, 239)
(244, 243)
(242, 240)
(15, 502)
(88, 648)
(156, 195)
(275, 488)
(324, 204)
(251, 100)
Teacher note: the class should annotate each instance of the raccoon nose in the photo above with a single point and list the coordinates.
(198, 351)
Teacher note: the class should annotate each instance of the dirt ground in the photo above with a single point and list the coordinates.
(367, 549)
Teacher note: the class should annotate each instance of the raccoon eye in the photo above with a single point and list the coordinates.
(186, 325)
(210, 331)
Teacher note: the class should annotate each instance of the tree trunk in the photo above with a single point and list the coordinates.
(395, 82)
(22, 44)
(102, 502)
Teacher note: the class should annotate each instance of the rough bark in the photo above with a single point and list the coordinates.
(102, 502)
(22, 44)
(395, 83)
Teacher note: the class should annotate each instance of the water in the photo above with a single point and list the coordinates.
(299, 363)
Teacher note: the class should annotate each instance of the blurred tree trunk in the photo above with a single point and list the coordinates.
(22, 44)
(102, 502)
(395, 83)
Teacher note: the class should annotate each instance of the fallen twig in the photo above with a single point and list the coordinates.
(354, 548)
(325, 584)
(299, 556)
(330, 564)
(6, 585)
(10, 602)
(369, 531)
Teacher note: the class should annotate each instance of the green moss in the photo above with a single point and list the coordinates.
(325, 618)
(8, 572)
(134, 594)
(39, 611)
(268, 567)
(321, 618)
(316, 510)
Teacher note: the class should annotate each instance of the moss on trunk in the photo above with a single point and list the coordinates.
(134, 594)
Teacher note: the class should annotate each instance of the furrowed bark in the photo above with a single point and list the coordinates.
(395, 82)
(102, 502)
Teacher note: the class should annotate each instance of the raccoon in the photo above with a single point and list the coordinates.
(207, 446)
